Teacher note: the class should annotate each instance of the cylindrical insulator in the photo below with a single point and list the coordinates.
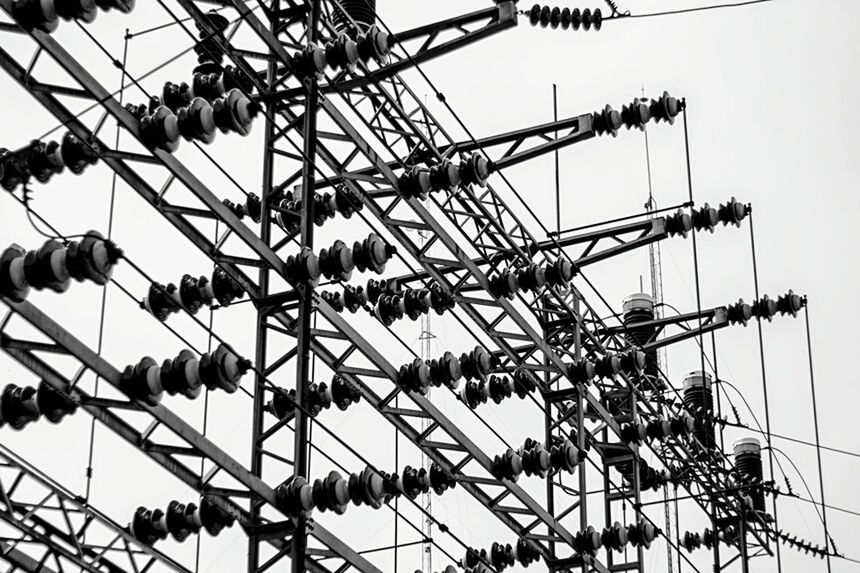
(749, 469)
(363, 12)
(639, 308)
(699, 400)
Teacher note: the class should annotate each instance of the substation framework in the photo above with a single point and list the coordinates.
(382, 152)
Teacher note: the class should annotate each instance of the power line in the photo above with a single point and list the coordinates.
(619, 16)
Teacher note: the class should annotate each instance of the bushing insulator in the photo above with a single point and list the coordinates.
(366, 488)
(373, 253)
(93, 258)
(417, 302)
(13, 283)
(446, 370)
(304, 267)
(475, 170)
(336, 262)
(444, 176)
(77, 155)
(679, 224)
(142, 381)
(196, 121)
(748, 468)
(474, 394)
(47, 268)
(564, 456)
(500, 388)
(666, 108)
(331, 494)
(532, 278)
(181, 375)
(790, 303)
(224, 288)
(505, 284)
(148, 526)
(415, 377)
(36, 14)
(235, 112)
(507, 466)
(608, 366)
(523, 384)
(295, 496)
(342, 53)
(635, 115)
(378, 288)
(705, 218)
(374, 44)
(213, 519)
(614, 537)
(440, 300)
(733, 212)
(642, 534)
(44, 160)
(389, 309)
(764, 308)
(18, 406)
(739, 313)
(477, 364)
(415, 183)
(588, 542)
(582, 372)
(560, 272)
(309, 62)
(161, 129)
(354, 298)
(633, 433)
(52, 404)
(181, 520)
(162, 300)
(606, 121)
(176, 96)
(223, 369)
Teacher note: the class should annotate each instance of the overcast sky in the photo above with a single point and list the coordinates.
(771, 93)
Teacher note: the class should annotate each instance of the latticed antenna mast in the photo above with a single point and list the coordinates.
(426, 339)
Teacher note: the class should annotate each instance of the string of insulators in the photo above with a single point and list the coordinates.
(219, 370)
(501, 556)
(565, 18)
(788, 304)
(706, 218)
(352, 299)
(42, 160)
(534, 459)
(532, 278)
(344, 201)
(419, 375)
(20, 406)
(678, 426)
(54, 266)
(708, 539)
(334, 493)
(589, 541)
(161, 128)
(342, 53)
(802, 545)
(192, 294)
(206, 86)
(649, 478)
(413, 303)
(497, 388)
(252, 207)
(339, 392)
(418, 182)
(179, 521)
(45, 15)
(636, 115)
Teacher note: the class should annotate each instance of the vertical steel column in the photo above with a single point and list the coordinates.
(306, 307)
(262, 330)
(580, 427)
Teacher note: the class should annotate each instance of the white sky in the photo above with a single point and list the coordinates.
(770, 93)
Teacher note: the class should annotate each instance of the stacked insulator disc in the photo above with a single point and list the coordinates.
(22, 405)
(179, 520)
(565, 18)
